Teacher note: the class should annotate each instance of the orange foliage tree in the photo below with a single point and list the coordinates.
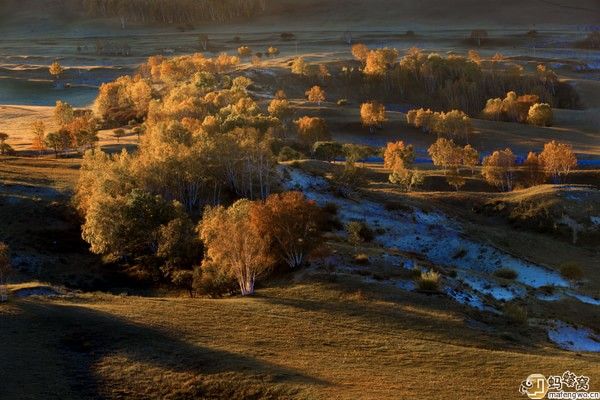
(315, 95)
(498, 169)
(312, 129)
(234, 246)
(290, 221)
(558, 159)
(372, 114)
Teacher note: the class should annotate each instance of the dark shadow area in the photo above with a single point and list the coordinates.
(79, 338)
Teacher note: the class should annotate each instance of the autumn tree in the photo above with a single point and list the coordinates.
(315, 95)
(272, 51)
(379, 61)
(38, 131)
(498, 169)
(372, 115)
(558, 159)
(474, 56)
(399, 158)
(281, 109)
(446, 154)
(300, 67)
(63, 113)
(540, 114)
(398, 155)
(360, 52)
(312, 129)
(470, 157)
(83, 130)
(129, 224)
(454, 124)
(407, 179)
(534, 170)
(234, 246)
(58, 141)
(127, 98)
(118, 134)
(244, 51)
(290, 222)
(56, 70)
(512, 108)
(455, 179)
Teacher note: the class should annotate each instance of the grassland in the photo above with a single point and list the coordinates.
(315, 334)
(308, 340)
(357, 329)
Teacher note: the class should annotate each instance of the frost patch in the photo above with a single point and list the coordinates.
(568, 337)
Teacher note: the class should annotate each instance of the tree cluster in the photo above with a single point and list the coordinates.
(454, 124)
(515, 108)
(555, 161)
(452, 82)
(206, 143)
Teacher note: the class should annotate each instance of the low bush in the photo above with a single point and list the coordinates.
(359, 232)
(507, 273)
(209, 281)
(289, 154)
(429, 281)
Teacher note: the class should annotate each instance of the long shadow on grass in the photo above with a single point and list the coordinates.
(84, 337)
(426, 315)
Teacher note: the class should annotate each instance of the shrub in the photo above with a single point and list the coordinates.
(572, 271)
(429, 281)
(361, 259)
(359, 232)
(210, 281)
(272, 51)
(540, 114)
(506, 273)
(328, 151)
(288, 154)
(244, 51)
(515, 313)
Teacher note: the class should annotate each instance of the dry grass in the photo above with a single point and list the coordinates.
(299, 342)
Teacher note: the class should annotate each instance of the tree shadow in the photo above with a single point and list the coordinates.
(417, 312)
(83, 337)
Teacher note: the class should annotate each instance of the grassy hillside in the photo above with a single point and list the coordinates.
(310, 341)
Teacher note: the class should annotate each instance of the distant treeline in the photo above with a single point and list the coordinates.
(173, 11)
